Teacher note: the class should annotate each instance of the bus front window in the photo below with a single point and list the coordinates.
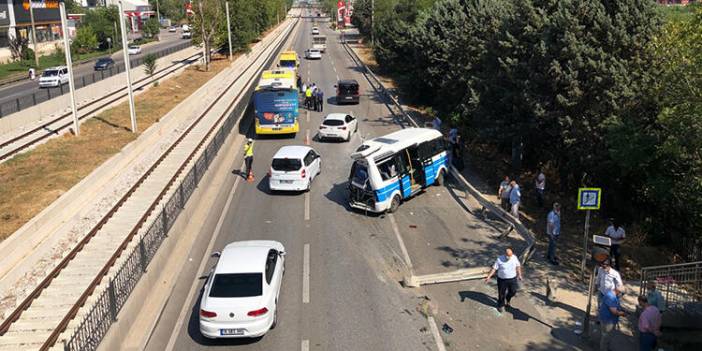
(287, 63)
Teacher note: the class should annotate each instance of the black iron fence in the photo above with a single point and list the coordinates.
(30, 99)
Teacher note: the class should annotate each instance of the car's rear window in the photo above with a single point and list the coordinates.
(286, 164)
(237, 285)
(50, 73)
(348, 88)
(333, 122)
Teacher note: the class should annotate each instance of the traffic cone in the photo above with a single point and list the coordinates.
(250, 177)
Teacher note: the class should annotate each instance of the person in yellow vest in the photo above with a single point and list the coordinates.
(248, 157)
(308, 97)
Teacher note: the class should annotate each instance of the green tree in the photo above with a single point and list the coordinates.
(151, 28)
(105, 23)
(150, 66)
(85, 40)
(206, 22)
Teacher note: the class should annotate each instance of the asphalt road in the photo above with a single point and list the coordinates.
(9, 93)
(355, 261)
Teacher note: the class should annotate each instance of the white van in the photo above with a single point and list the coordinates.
(394, 167)
(54, 77)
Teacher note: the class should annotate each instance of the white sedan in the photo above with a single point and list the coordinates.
(315, 30)
(313, 54)
(134, 50)
(293, 168)
(240, 297)
(338, 126)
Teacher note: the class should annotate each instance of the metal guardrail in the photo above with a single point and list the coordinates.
(402, 116)
(680, 284)
(96, 323)
(29, 100)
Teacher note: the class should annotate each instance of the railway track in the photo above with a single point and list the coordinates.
(55, 305)
(55, 126)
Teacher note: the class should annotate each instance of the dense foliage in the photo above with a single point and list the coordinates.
(104, 23)
(606, 88)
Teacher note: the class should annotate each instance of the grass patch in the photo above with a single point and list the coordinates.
(22, 67)
(32, 181)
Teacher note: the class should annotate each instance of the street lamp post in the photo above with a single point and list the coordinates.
(229, 31)
(372, 21)
(69, 65)
(34, 35)
(127, 66)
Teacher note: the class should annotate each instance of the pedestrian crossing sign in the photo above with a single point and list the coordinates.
(589, 198)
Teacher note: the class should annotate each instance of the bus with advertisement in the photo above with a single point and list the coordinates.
(276, 103)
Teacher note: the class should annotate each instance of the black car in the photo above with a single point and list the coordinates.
(104, 63)
(347, 91)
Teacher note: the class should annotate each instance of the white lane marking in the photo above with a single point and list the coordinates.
(307, 137)
(308, 115)
(306, 274)
(435, 332)
(337, 77)
(187, 307)
(305, 345)
(395, 229)
(307, 206)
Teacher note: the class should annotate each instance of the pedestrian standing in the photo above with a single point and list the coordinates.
(503, 193)
(608, 314)
(540, 185)
(436, 123)
(616, 233)
(515, 197)
(308, 97)
(248, 158)
(553, 230)
(649, 325)
(304, 89)
(299, 82)
(654, 296)
(508, 271)
(453, 143)
(32, 73)
(608, 279)
(320, 95)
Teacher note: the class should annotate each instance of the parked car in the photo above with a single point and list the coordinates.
(347, 91)
(104, 63)
(172, 29)
(134, 49)
(240, 297)
(313, 54)
(54, 77)
(338, 126)
(315, 30)
(294, 168)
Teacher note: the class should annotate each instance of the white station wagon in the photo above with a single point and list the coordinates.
(293, 168)
(240, 298)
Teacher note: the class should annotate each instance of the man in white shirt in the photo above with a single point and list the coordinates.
(508, 271)
(503, 193)
(616, 233)
(540, 185)
(607, 279)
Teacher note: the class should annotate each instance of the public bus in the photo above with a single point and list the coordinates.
(288, 59)
(319, 42)
(276, 103)
(392, 168)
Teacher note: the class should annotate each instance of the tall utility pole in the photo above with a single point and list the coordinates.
(34, 34)
(158, 14)
(69, 64)
(127, 66)
(229, 32)
(202, 26)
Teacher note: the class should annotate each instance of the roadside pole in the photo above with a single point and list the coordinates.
(229, 31)
(588, 200)
(372, 22)
(127, 66)
(69, 65)
(34, 34)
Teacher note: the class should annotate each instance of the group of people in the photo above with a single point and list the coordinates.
(510, 196)
(314, 97)
(610, 289)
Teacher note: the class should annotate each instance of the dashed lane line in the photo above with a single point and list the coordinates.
(305, 345)
(435, 332)
(306, 274)
(307, 206)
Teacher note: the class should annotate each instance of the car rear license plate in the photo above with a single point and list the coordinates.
(286, 181)
(237, 331)
(349, 98)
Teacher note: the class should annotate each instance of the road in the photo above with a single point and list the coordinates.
(354, 300)
(9, 93)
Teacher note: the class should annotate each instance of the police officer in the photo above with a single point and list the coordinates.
(248, 157)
